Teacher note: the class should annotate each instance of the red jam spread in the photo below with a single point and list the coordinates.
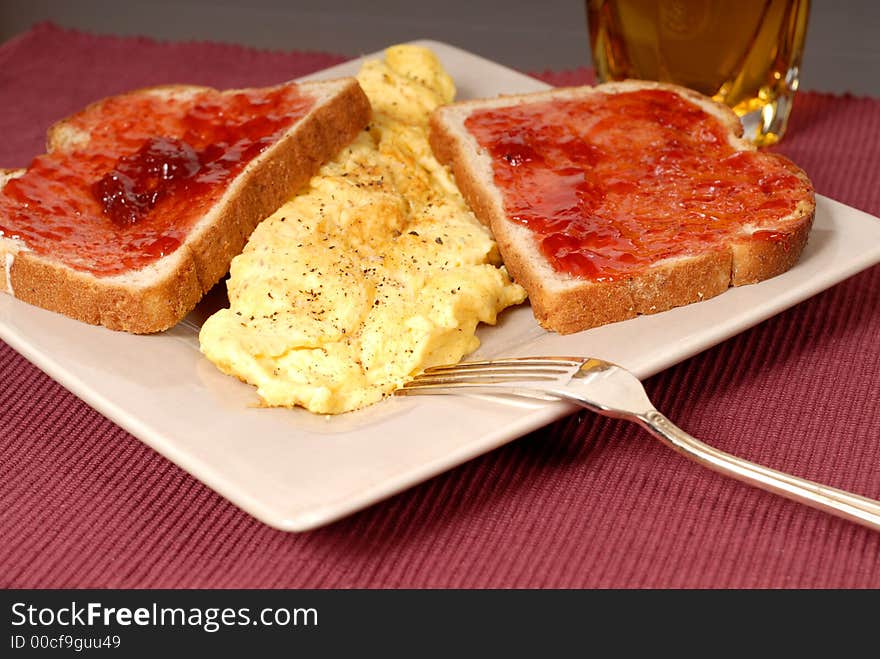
(152, 167)
(610, 183)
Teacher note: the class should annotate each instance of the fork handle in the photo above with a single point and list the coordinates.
(853, 507)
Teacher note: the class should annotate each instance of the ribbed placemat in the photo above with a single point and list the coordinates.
(585, 502)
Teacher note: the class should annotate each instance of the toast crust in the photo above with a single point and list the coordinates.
(566, 304)
(160, 295)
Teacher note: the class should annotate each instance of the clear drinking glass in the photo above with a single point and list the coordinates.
(746, 54)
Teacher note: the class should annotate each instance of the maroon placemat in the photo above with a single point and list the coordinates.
(585, 502)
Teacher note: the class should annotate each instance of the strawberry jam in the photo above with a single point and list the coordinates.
(152, 166)
(611, 183)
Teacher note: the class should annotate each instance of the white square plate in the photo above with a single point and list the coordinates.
(295, 470)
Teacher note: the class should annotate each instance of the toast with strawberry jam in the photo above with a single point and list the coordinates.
(622, 199)
(143, 199)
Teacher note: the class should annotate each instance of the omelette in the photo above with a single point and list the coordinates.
(375, 271)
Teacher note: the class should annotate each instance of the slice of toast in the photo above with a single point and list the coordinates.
(65, 266)
(755, 245)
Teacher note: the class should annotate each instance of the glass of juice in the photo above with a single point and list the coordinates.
(746, 54)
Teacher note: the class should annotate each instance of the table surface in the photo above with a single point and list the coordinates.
(585, 502)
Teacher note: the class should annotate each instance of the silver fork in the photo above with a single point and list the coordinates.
(613, 391)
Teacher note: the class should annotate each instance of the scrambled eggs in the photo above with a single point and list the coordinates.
(375, 271)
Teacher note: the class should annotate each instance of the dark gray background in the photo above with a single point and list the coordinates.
(842, 53)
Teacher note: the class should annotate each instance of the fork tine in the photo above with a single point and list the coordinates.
(495, 377)
(458, 387)
(496, 370)
(524, 363)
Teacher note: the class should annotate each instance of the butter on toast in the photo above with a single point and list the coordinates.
(42, 267)
(754, 246)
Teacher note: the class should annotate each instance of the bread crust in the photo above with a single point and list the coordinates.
(160, 295)
(566, 304)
